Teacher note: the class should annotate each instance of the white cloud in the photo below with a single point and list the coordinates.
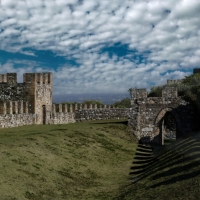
(169, 30)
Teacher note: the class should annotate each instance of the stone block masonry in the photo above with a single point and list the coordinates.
(27, 102)
(63, 113)
(15, 113)
(94, 113)
(151, 118)
(156, 118)
(14, 120)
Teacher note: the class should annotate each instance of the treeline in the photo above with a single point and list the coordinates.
(124, 103)
(188, 88)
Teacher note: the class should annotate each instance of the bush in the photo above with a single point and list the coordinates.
(189, 89)
(124, 103)
(156, 91)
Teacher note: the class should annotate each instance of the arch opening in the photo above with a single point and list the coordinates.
(169, 126)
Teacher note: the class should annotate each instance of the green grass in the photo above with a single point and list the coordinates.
(92, 160)
(175, 174)
(88, 160)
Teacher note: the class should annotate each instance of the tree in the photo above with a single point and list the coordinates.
(124, 103)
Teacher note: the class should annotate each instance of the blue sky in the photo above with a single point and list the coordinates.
(100, 46)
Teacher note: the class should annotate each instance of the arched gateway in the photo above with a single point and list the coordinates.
(168, 125)
(155, 118)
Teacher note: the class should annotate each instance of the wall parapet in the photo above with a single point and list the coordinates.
(13, 107)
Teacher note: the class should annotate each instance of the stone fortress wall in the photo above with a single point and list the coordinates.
(64, 113)
(102, 113)
(15, 113)
(30, 102)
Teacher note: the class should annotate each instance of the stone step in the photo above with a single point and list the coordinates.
(136, 178)
(143, 154)
(143, 157)
(137, 167)
(144, 161)
(144, 150)
(137, 172)
(143, 146)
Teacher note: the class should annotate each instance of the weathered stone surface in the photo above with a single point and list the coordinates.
(14, 120)
(148, 119)
(105, 113)
(31, 103)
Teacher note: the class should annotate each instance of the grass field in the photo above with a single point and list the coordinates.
(92, 160)
(88, 160)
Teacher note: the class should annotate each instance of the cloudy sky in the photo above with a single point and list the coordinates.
(100, 46)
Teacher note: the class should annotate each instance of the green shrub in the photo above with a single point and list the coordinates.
(124, 103)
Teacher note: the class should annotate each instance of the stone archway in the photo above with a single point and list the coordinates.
(167, 124)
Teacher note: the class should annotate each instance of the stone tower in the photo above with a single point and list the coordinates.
(39, 87)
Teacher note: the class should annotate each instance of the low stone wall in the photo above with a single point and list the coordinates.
(100, 114)
(60, 118)
(14, 120)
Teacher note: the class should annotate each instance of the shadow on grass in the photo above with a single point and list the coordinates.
(178, 178)
(143, 158)
(177, 169)
(174, 161)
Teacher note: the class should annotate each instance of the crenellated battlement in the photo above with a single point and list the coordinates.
(3, 78)
(174, 81)
(44, 78)
(70, 108)
(138, 93)
(9, 78)
(13, 107)
(38, 78)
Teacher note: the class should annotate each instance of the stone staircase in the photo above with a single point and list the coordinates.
(142, 160)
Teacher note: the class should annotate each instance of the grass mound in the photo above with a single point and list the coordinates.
(175, 173)
(88, 160)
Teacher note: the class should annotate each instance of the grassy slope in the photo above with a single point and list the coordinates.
(89, 160)
(175, 175)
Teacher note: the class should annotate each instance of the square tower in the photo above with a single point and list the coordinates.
(170, 92)
(138, 93)
(39, 87)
